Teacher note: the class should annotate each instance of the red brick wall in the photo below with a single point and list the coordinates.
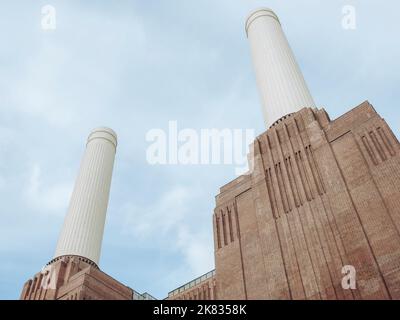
(75, 280)
(323, 194)
(205, 290)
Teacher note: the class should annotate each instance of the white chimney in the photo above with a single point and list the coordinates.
(280, 82)
(82, 232)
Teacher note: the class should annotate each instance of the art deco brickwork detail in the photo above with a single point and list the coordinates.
(323, 194)
(74, 278)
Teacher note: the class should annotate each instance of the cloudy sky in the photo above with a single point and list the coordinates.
(134, 66)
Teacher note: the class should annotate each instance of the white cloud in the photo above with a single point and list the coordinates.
(171, 221)
(131, 67)
(46, 198)
(197, 249)
(167, 213)
(2, 182)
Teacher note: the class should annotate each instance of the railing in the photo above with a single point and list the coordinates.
(192, 283)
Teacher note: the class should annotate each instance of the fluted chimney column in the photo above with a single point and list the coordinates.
(82, 232)
(281, 84)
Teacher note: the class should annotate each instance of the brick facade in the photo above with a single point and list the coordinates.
(74, 278)
(202, 288)
(322, 194)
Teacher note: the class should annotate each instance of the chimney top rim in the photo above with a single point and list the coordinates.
(104, 129)
(259, 12)
(105, 133)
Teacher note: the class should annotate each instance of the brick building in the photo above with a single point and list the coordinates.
(320, 195)
(323, 194)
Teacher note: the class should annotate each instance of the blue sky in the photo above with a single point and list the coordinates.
(134, 66)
